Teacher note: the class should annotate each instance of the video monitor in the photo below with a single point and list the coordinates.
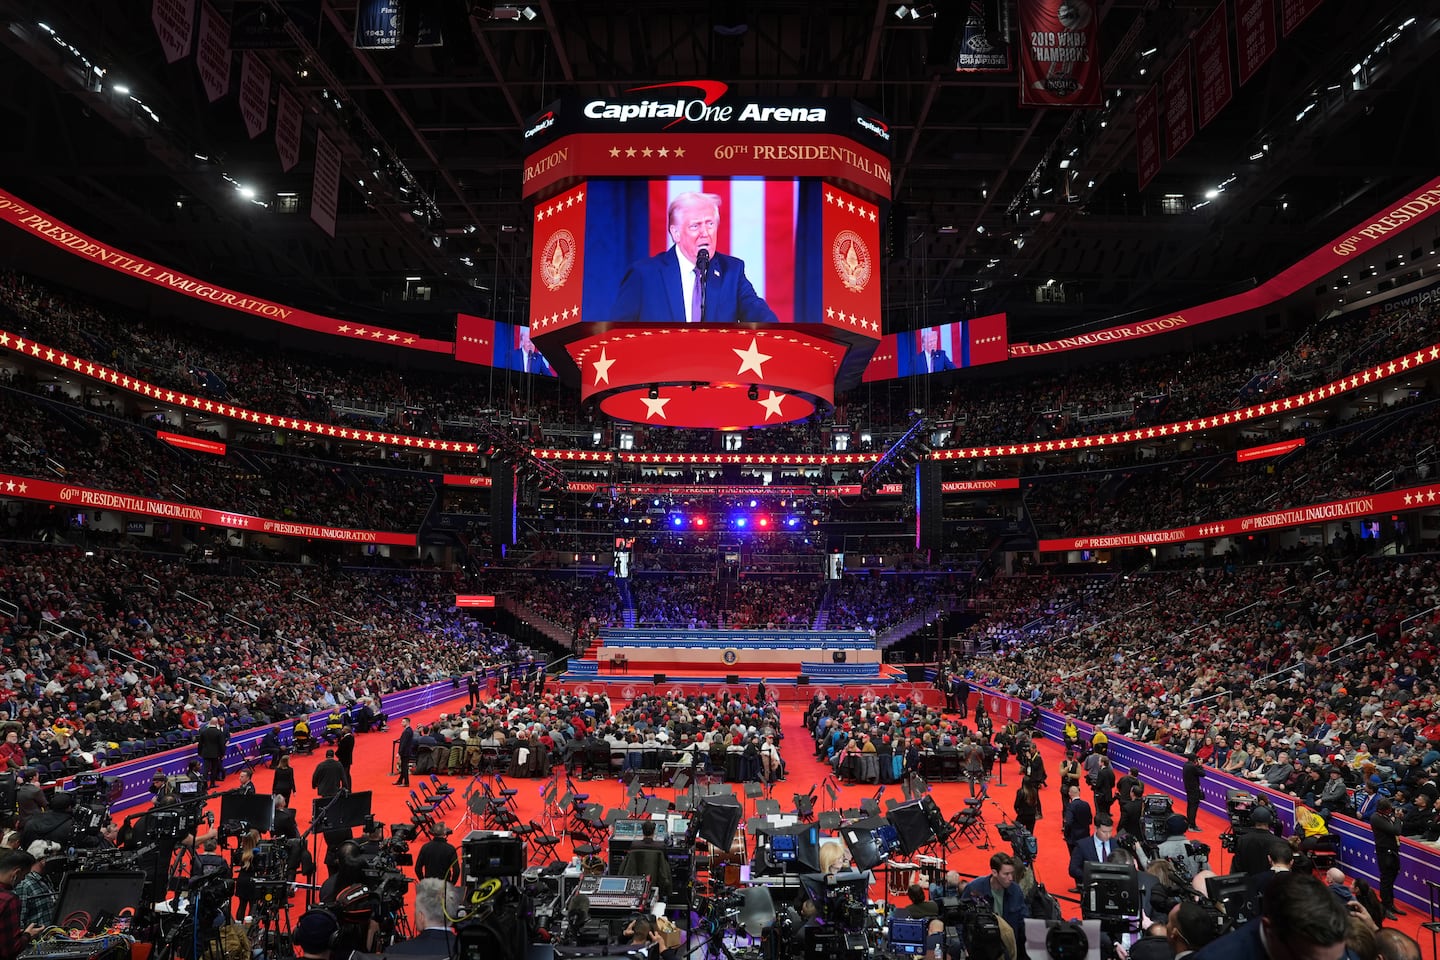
(762, 238)
(907, 936)
(252, 811)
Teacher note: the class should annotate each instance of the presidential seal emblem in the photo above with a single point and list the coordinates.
(557, 259)
(852, 260)
(730, 656)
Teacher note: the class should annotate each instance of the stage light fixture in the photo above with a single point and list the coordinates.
(654, 392)
(753, 393)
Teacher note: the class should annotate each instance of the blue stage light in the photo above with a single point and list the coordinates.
(678, 521)
(739, 521)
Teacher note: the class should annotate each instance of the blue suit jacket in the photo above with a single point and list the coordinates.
(917, 363)
(651, 292)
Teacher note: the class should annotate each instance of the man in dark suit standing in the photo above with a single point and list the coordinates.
(1193, 773)
(928, 357)
(1077, 819)
(405, 751)
(211, 747)
(690, 282)
(1094, 849)
(1104, 787)
(525, 358)
(961, 686)
(345, 749)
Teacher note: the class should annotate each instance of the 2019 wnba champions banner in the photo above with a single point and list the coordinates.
(1060, 53)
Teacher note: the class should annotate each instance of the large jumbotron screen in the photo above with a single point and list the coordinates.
(763, 237)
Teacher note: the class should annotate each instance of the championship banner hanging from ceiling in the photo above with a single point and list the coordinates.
(981, 44)
(1059, 54)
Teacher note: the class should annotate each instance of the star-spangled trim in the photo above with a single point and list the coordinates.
(602, 368)
(751, 359)
(1379, 372)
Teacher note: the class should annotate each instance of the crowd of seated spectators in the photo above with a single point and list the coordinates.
(1119, 396)
(1341, 464)
(1330, 661)
(96, 450)
(575, 602)
(769, 601)
(108, 652)
(875, 601)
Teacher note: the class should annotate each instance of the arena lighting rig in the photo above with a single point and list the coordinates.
(502, 446)
(902, 456)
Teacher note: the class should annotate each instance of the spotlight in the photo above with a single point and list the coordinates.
(654, 392)
(753, 393)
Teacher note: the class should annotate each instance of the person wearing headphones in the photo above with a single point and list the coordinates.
(315, 934)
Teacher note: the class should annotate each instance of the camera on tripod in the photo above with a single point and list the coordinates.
(1155, 810)
(1241, 808)
(1021, 841)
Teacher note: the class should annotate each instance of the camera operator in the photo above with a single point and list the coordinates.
(1192, 774)
(438, 858)
(314, 934)
(437, 904)
(1253, 846)
(29, 795)
(1176, 847)
(1000, 890)
(57, 825)
(1300, 919)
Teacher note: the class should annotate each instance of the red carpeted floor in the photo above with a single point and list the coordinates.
(372, 772)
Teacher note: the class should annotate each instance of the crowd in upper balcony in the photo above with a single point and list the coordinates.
(1088, 400)
(54, 439)
(1380, 452)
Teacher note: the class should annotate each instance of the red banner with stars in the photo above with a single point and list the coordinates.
(36, 223)
(557, 262)
(1388, 502)
(850, 229)
(29, 488)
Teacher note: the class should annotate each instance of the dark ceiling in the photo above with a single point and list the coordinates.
(974, 172)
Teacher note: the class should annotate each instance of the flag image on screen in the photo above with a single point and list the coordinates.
(643, 239)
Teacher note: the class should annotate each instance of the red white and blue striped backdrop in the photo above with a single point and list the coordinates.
(772, 225)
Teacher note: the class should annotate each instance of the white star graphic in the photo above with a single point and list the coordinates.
(772, 404)
(655, 407)
(751, 359)
(602, 367)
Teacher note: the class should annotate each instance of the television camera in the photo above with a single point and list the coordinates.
(1022, 841)
(971, 925)
(1241, 808)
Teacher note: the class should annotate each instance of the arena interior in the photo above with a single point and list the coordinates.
(718, 479)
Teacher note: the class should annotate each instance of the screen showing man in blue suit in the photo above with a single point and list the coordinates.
(691, 282)
(525, 357)
(927, 354)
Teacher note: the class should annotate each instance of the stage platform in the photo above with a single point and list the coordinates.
(627, 688)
